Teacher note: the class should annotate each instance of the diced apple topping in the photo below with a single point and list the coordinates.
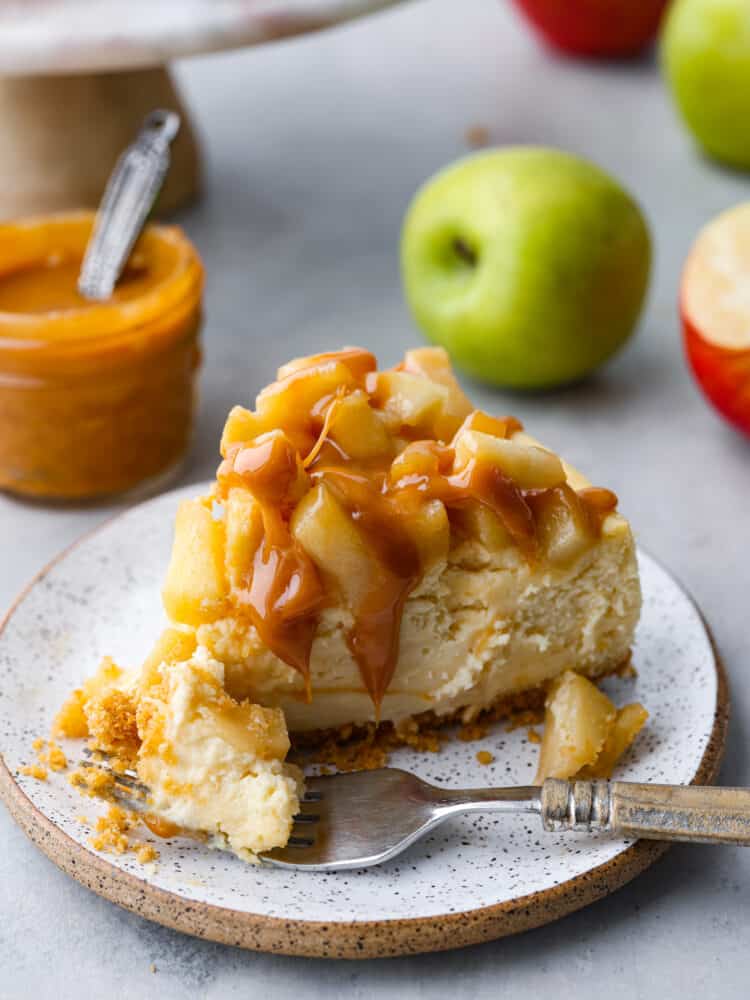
(357, 360)
(270, 467)
(196, 588)
(292, 401)
(584, 733)
(480, 523)
(409, 400)
(418, 460)
(563, 528)
(330, 537)
(241, 427)
(433, 363)
(429, 528)
(501, 427)
(358, 429)
(529, 467)
(350, 479)
(244, 531)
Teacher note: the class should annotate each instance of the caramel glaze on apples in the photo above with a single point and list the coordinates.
(283, 593)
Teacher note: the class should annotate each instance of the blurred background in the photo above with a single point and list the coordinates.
(312, 150)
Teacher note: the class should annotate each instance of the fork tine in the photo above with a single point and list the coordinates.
(127, 779)
(307, 818)
(300, 842)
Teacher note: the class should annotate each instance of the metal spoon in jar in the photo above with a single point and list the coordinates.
(128, 198)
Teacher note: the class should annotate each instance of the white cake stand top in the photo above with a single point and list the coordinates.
(47, 37)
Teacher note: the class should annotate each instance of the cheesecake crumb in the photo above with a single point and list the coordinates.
(485, 757)
(71, 720)
(112, 724)
(152, 968)
(112, 831)
(472, 731)
(93, 782)
(145, 853)
(528, 717)
(477, 136)
(55, 757)
(35, 771)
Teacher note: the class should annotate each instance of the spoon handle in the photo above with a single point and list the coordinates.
(129, 196)
(708, 815)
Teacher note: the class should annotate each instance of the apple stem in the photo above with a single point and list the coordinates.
(464, 251)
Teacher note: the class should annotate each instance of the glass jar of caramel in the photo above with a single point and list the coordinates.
(96, 398)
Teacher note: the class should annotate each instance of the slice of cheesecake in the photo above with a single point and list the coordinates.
(374, 549)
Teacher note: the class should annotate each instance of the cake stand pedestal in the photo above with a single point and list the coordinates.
(77, 78)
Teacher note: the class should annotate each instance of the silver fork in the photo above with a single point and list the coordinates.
(364, 818)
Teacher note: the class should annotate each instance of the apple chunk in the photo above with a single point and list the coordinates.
(410, 400)
(577, 720)
(290, 402)
(528, 466)
(357, 360)
(244, 533)
(584, 734)
(241, 427)
(329, 536)
(358, 429)
(195, 589)
(433, 363)
(563, 527)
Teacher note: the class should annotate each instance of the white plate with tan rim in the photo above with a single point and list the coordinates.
(474, 879)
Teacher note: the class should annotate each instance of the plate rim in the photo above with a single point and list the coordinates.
(351, 939)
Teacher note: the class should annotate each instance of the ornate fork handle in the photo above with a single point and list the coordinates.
(656, 812)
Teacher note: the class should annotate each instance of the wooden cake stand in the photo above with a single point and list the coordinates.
(77, 77)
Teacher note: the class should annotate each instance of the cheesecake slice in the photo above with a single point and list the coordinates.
(374, 549)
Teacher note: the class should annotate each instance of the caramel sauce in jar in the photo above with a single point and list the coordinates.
(96, 398)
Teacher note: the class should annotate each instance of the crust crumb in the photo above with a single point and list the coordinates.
(485, 757)
(112, 831)
(528, 717)
(472, 731)
(145, 853)
(71, 720)
(93, 782)
(35, 771)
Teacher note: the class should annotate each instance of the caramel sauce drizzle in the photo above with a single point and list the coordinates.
(283, 593)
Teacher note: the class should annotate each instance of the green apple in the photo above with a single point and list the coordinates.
(706, 59)
(527, 264)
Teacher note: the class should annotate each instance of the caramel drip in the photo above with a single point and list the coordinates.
(282, 591)
(161, 827)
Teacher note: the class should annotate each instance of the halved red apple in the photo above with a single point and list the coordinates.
(715, 312)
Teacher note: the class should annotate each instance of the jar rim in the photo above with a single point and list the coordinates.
(32, 241)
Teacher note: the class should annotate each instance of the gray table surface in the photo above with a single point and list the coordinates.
(314, 148)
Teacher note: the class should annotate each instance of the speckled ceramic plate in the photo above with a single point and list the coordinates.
(474, 879)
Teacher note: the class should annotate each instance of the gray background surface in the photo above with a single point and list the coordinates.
(314, 149)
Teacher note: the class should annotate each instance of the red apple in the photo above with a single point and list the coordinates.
(597, 28)
(715, 311)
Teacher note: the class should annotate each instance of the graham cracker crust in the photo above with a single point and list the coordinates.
(366, 746)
